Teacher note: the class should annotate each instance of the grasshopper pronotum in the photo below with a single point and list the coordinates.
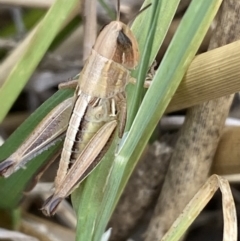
(91, 117)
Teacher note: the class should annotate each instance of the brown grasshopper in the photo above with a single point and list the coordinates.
(90, 118)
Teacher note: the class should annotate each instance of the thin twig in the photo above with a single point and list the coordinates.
(90, 27)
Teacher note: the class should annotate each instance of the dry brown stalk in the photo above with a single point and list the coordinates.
(199, 136)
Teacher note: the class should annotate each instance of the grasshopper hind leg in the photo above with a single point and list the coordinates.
(86, 162)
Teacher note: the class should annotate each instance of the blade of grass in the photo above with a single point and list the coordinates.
(175, 63)
(144, 63)
(164, 19)
(38, 45)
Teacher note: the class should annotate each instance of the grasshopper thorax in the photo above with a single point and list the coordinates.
(117, 42)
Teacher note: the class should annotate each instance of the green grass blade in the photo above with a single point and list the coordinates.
(138, 94)
(167, 10)
(43, 37)
(12, 188)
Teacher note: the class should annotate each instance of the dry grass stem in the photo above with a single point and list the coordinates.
(199, 201)
(29, 3)
(90, 27)
(176, 121)
(44, 229)
(233, 178)
(14, 235)
(227, 156)
(210, 76)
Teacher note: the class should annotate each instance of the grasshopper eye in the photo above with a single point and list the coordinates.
(117, 42)
(123, 40)
(126, 52)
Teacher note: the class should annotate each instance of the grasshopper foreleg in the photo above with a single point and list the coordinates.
(70, 83)
(149, 77)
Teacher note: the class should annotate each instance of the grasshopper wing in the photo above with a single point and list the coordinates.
(51, 129)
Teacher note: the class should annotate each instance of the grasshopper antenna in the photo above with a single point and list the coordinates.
(142, 10)
(118, 10)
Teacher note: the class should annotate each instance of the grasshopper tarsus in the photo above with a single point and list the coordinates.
(50, 205)
(5, 166)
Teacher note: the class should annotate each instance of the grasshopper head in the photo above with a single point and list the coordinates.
(117, 42)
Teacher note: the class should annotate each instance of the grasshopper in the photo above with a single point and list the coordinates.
(90, 118)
